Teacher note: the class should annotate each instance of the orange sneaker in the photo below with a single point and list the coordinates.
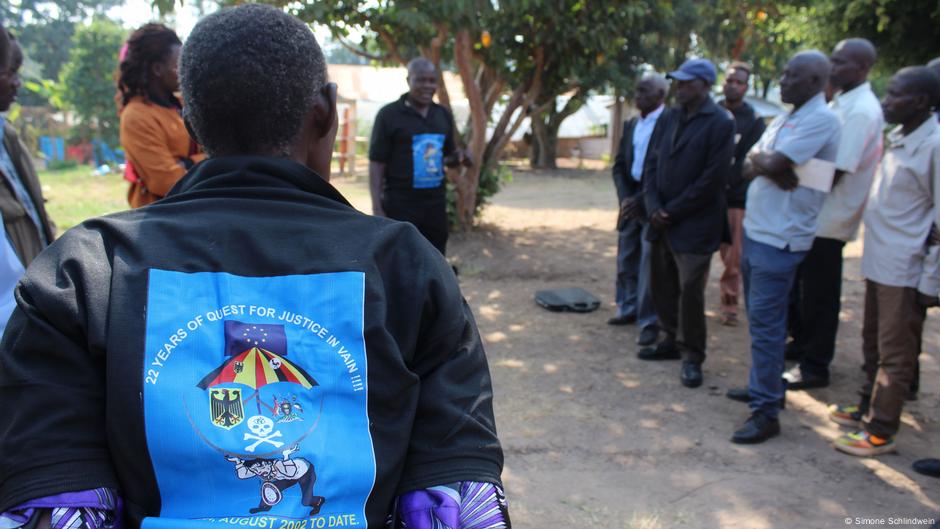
(863, 444)
(846, 415)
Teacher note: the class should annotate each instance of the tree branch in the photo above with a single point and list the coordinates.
(433, 53)
(391, 45)
(467, 186)
(358, 51)
(573, 104)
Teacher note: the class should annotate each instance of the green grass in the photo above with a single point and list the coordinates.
(74, 195)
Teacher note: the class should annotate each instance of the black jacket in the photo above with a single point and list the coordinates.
(750, 128)
(623, 180)
(121, 365)
(687, 177)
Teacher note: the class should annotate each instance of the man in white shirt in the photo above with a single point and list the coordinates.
(819, 283)
(901, 266)
(634, 302)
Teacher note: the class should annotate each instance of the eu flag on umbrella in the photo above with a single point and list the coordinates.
(240, 337)
(255, 357)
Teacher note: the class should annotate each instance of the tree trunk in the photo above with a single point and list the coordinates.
(544, 142)
(547, 123)
(468, 179)
(616, 124)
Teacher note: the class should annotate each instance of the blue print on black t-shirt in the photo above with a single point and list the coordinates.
(427, 151)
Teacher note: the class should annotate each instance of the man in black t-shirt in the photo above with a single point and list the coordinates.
(412, 141)
(748, 129)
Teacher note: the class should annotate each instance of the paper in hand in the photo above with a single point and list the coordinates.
(816, 174)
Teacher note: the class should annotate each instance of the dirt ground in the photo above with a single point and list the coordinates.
(595, 438)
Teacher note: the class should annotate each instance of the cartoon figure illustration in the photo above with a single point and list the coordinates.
(278, 475)
(287, 410)
(430, 158)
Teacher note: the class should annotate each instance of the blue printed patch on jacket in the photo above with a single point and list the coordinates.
(255, 400)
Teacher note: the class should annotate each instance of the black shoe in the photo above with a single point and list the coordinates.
(757, 429)
(663, 351)
(743, 395)
(621, 320)
(648, 336)
(691, 374)
(317, 503)
(928, 467)
(797, 380)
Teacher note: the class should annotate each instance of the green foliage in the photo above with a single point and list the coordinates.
(905, 32)
(44, 29)
(763, 34)
(87, 82)
(48, 91)
(17, 13)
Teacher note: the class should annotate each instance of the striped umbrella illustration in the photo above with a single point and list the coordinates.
(255, 357)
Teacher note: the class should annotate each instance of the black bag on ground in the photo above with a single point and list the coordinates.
(567, 299)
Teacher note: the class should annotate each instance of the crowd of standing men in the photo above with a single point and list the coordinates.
(779, 202)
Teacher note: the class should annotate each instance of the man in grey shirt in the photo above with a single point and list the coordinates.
(901, 266)
(779, 225)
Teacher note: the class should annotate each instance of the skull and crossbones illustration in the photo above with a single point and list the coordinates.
(261, 432)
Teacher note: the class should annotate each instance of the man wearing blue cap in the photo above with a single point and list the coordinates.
(685, 183)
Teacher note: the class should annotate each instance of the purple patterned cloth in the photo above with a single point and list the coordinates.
(88, 509)
(464, 505)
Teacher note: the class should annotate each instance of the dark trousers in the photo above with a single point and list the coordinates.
(678, 287)
(891, 339)
(430, 217)
(816, 301)
(633, 274)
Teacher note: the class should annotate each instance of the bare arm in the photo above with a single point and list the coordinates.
(772, 165)
(376, 181)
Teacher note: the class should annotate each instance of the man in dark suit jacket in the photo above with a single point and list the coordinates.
(640, 136)
(685, 197)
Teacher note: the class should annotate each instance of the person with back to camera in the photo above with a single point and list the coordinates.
(250, 350)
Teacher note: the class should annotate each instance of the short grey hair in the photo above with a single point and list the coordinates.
(658, 81)
(249, 75)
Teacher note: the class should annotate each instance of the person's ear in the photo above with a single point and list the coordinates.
(923, 101)
(325, 109)
(322, 124)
